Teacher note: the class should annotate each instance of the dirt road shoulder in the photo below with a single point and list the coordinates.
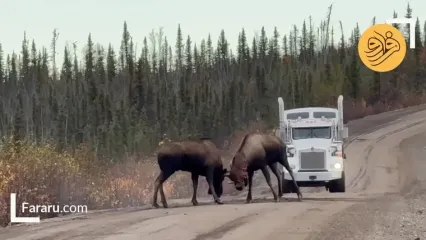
(397, 216)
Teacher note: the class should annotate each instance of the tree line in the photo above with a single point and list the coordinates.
(126, 101)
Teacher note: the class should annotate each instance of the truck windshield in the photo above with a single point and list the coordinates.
(311, 132)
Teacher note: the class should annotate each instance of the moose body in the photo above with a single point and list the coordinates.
(257, 152)
(200, 158)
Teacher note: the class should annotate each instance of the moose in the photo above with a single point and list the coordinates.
(200, 158)
(258, 151)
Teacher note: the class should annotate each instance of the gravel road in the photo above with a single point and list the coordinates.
(385, 199)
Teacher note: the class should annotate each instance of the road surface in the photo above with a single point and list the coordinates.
(386, 183)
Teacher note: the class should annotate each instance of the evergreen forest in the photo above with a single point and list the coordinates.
(117, 103)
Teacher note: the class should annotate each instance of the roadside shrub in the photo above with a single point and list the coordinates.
(37, 175)
(40, 175)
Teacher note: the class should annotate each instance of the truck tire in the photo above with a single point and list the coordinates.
(338, 185)
(286, 185)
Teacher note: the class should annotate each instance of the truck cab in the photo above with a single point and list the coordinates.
(314, 144)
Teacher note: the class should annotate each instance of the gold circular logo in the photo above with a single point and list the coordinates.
(382, 48)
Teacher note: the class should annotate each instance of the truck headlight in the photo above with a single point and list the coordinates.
(337, 166)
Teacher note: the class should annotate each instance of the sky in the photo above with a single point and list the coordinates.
(104, 19)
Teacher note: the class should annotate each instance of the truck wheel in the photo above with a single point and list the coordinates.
(338, 185)
(286, 185)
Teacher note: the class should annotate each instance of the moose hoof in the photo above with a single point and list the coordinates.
(218, 201)
(194, 202)
(155, 205)
(248, 201)
(276, 199)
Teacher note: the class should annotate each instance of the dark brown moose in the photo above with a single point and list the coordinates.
(200, 158)
(258, 151)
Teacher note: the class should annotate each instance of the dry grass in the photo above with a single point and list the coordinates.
(359, 109)
(40, 175)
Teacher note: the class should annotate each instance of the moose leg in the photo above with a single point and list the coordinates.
(284, 162)
(163, 196)
(157, 185)
(250, 183)
(195, 186)
(209, 178)
(299, 194)
(274, 169)
(268, 181)
(162, 177)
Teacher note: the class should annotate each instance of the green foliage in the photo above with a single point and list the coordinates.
(119, 105)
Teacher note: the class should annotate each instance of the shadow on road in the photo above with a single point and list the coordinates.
(265, 200)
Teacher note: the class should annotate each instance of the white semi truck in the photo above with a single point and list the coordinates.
(314, 138)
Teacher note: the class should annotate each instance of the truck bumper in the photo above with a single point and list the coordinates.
(314, 176)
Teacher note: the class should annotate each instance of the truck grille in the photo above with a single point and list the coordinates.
(312, 160)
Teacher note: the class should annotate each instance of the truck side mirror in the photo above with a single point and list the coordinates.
(345, 132)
